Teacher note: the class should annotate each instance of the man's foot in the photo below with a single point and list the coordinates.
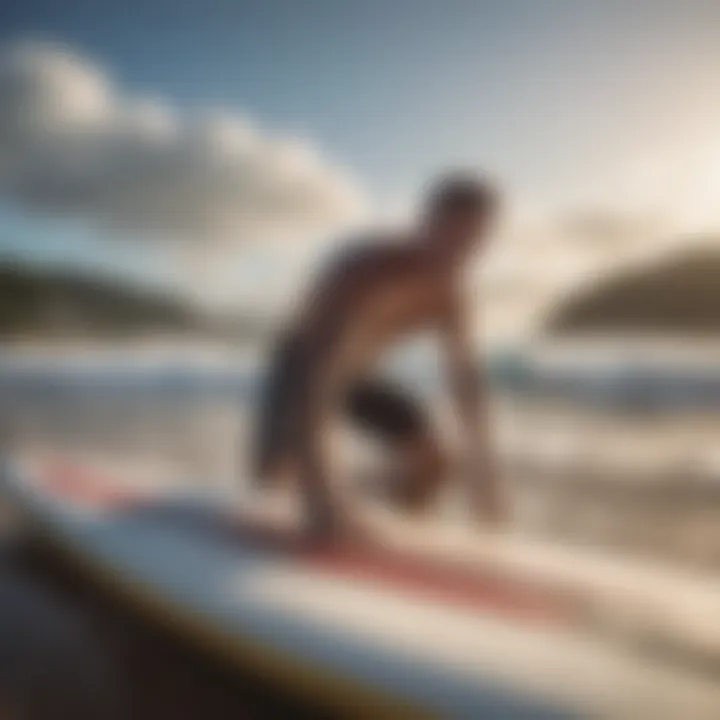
(335, 528)
(273, 476)
(489, 515)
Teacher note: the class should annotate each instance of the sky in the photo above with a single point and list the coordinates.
(259, 129)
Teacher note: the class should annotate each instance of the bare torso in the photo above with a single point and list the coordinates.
(370, 299)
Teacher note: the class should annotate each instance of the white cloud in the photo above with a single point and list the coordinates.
(72, 143)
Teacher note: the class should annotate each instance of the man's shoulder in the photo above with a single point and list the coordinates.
(374, 239)
(373, 247)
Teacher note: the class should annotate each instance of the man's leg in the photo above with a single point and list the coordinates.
(397, 419)
(290, 440)
(323, 515)
(272, 459)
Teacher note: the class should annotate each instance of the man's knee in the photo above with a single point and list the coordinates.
(425, 471)
(273, 471)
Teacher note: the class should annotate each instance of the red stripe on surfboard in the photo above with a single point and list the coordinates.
(80, 484)
(475, 588)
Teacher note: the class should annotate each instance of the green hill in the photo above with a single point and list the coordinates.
(680, 294)
(50, 302)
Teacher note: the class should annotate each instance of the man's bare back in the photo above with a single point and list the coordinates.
(371, 298)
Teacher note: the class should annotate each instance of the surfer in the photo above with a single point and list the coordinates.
(375, 294)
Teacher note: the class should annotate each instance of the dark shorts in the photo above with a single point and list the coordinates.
(375, 405)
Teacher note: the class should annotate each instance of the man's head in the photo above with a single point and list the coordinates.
(459, 210)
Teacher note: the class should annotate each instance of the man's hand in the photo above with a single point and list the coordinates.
(334, 525)
(487, 504)
(467, 383)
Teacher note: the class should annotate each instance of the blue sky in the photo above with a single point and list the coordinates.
(554, 97)
(399, 87)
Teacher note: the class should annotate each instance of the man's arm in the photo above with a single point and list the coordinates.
(467, 386)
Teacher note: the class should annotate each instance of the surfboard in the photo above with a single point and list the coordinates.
(421, 625)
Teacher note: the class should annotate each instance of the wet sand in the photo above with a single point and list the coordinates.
(67, 651)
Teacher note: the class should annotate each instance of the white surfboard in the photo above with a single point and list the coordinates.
(425, 625)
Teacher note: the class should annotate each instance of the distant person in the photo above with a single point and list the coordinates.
(374, 295)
